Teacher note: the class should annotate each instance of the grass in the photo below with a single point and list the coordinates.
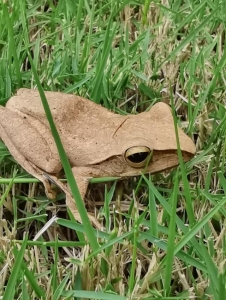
(164, 234)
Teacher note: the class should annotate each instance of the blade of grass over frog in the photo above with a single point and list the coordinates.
(104, 179)
(171, 238)
(189, 207)
(138, 184)
(11, 182)
(12, 45)
(89, 231)
(143, 172)
(15, 273)
(92, 295)
(188, 39)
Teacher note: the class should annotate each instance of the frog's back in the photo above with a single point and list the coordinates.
(63, 106)
(86, 129)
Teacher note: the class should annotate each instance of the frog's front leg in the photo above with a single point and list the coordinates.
(82, 176)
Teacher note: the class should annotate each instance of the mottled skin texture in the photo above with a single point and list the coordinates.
(94, 138)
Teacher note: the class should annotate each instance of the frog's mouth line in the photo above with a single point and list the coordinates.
(163, 160)
(161, 154)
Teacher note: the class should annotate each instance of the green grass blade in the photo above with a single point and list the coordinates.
(189, 206)
(93, 295)
(171, 239)
(109, 35)
(10, 288)
(25, 295)
(153, 212)
(67, 168)
(183, 256)
(30, 277)
(12, 45)
(58, 292)
(11, 182)
(54, 283)
(192, 232)
(189, 38)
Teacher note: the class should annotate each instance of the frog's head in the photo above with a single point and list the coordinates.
(151, 141)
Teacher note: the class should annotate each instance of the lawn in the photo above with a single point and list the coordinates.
(163, 235)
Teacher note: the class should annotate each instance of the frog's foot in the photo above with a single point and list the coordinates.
(70, 202)
(82, 176)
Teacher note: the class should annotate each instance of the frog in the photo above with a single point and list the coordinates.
(97, 141)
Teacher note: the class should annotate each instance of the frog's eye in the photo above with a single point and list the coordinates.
(137, 157)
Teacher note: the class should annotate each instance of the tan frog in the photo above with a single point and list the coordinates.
(98, 142)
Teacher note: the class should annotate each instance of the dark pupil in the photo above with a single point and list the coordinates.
(138, 157)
